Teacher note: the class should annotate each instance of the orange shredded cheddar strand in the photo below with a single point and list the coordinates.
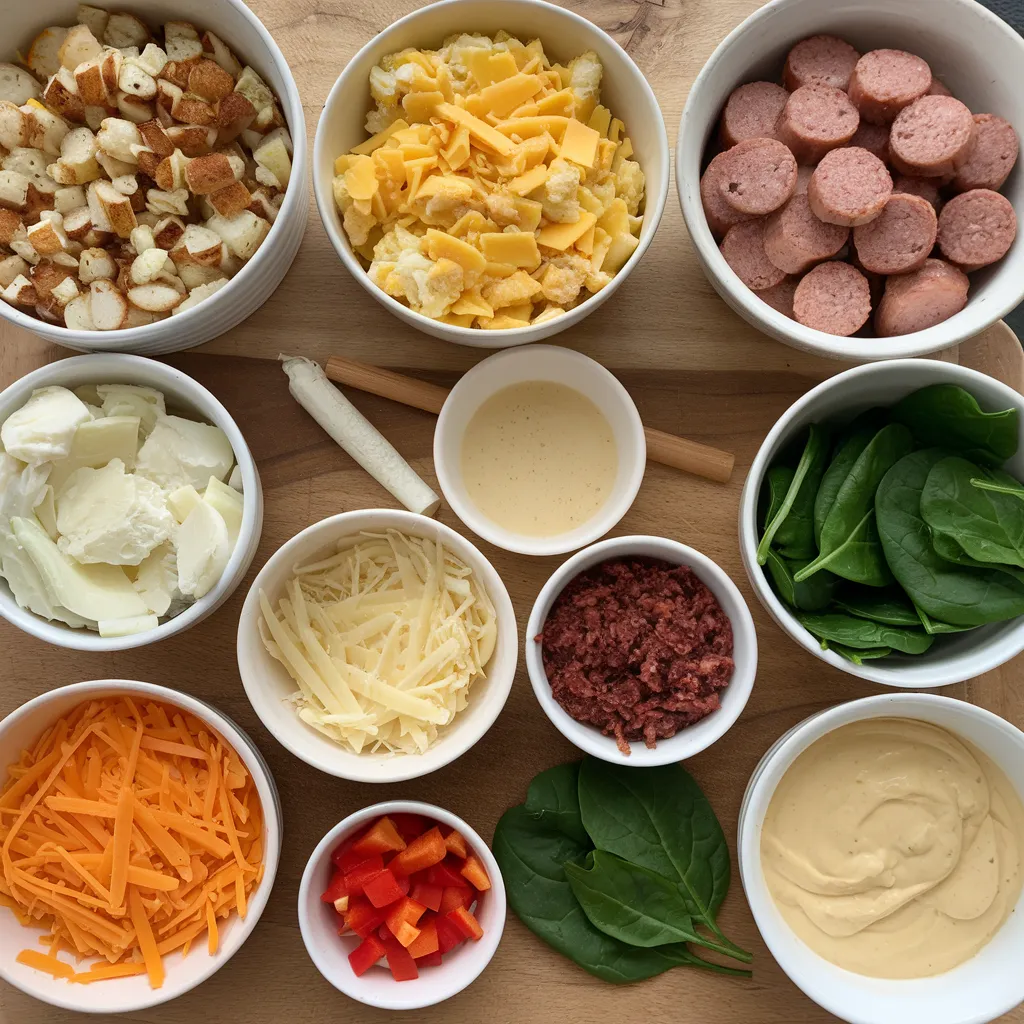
(122, 846)
(100, 972)
(42, 962)
(147, 943)
(212, 937)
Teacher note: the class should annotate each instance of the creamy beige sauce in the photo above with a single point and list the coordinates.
(539, 458)
(892, 848)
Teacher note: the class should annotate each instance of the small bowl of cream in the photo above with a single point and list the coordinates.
(881, 848)
(539, 450)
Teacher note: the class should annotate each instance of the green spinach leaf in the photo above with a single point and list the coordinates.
(936, 628)
(947, 416)
(1000, 483)
(849, 538)
(553, 797)
(857, 656)
(795, 536)
(889, 605)
(863, 634)
(959, 595)
(838, 470)
(812, 595)
(774, 491)
(813, 457)
(948, 549)
(988, 525)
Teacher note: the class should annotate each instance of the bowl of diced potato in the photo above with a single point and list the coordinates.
(150, 194)
(491, 173)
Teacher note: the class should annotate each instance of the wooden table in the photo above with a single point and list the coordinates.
(693, 367)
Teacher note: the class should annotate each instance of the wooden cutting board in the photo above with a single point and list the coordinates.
(693, 367)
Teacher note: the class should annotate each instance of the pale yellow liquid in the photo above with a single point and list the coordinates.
(539, 458)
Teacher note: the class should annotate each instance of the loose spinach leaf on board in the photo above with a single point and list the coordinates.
(553, 797)
(863, 634)
(659, 818)
(849, 538)
(847, 453)
(957, 594)
(813, 455)
(858, 657)
(936, 628)
(988, 525)
(889, 605)
(812, 595)
(1000, 483)
(948, 550)
(947, 416)
(795, 536)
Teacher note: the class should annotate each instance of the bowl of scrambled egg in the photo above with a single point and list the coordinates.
(491, 173)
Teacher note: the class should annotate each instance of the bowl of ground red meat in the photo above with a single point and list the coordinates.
(641, 650)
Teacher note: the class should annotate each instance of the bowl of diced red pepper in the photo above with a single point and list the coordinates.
(401, 905)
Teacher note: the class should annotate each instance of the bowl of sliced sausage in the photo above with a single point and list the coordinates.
(852, 191)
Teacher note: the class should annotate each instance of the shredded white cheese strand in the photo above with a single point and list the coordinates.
(383, 640)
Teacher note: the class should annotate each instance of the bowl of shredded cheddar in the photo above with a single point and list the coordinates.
(491, 173)
(139, 839)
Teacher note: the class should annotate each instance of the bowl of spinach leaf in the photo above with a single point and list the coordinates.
(882, 522)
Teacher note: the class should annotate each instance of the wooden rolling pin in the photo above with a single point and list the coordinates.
(669, 450)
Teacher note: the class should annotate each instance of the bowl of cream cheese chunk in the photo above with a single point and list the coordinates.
(130, 506)
(881, 848)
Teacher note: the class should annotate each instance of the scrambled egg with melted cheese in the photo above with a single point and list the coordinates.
(495, 190)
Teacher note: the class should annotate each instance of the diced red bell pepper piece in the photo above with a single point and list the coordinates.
(456, 844)
(444, 875)
(362, 917)
(475, 873)
(421, 853)
(426, 942)
(342, 856)
(466, 923)
(448, 936)
(405, 909)
(409, 826)
(427, 894)
(403, 967)
(336, 888)
(381, 837)
(406, 933)
(383, 889)
(430, 960)
(455, 896)
(365, 955)
(366, 870)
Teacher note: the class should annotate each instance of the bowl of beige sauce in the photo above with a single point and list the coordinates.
(881, 848)
(539, 450)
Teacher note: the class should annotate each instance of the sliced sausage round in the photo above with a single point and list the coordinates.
(834, 298)
(926, 188)
(874, 138)
(932, 137)
(976, 228)
(794, 239)
(816, 119)
(820, 60)
(919, 300)
(886, 81)
(992, 155)
(720, 215)
(743, 249)
(751, 112)
(900, 238)
(758, 176)
(850, 186)
(780, 297)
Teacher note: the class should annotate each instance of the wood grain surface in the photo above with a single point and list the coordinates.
(693, 367)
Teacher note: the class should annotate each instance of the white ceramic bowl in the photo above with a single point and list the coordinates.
(19, 730)
(565, 35)
(952, 658)
(318, 922)
(691, 740)
(189, 398)
(255, 283)
(980, 990)
(975, 53)
(268, 684)
(547, 363)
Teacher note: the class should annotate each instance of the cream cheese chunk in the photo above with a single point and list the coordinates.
(95, 443)
(157, 579)
(203, 550)
(107, 515)
(44, 427)
(228, 502)
(180, 451)
(132, 400)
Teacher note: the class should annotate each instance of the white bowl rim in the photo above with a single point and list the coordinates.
(919, 343)
(352, 822)
(470, 336)
(136, 337)
(586, 737)
(407, 522)
(84, 639)
(266, 787)
(988, 657)
(785, 750)
(603, 520)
